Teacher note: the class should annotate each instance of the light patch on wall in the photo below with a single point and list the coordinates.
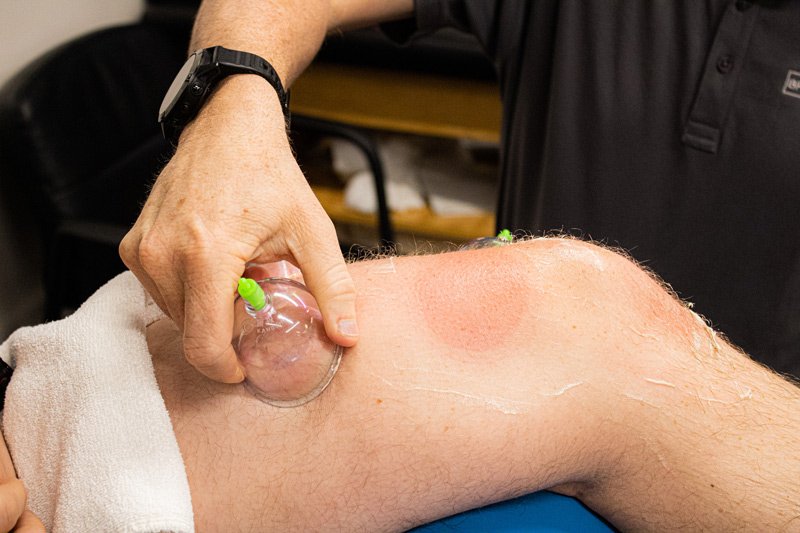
(30, 28)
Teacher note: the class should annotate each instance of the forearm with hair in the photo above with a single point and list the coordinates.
(287, 33)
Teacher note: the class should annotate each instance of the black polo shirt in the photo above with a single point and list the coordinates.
(670, 128)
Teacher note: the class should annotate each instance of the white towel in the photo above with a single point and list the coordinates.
(456, 184)
(398, 155)
(359, 194)
(85, 422)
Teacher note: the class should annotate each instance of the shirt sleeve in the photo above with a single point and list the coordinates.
(497, 24)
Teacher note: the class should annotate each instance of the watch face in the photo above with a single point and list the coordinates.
(178, 85)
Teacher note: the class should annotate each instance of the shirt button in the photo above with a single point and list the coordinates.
(725, 63)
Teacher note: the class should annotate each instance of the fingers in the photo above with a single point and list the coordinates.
(12, 503)
(316, 249)
(29, 523)
(6, 466)
(13, 497)
(194, 236)
(208, 322)
(131, 245)
(13, 515)
(129, 250)
(144, 249)
(197, 298)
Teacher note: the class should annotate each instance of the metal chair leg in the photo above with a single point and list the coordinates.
(367, 145)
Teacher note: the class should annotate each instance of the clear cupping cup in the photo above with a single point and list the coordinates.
(287, 357)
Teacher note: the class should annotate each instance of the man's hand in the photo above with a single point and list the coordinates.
(13, 496)
(233, 194)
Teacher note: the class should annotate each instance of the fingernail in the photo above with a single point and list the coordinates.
(348, 327)
(239, 374)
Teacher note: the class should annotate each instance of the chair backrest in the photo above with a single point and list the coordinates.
(78, 127)
(80, 145)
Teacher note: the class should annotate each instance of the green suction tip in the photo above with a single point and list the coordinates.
(252, 293)
(505, 235)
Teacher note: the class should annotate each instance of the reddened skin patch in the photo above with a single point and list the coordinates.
(471, 303)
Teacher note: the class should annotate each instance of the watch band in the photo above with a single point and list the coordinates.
(199, 76)
(236, 61)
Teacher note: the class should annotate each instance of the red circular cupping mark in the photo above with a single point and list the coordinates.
(472, 304)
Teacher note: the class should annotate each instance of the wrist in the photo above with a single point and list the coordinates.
(200, 75)
(243, 107)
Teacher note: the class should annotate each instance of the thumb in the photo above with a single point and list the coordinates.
(316, 250)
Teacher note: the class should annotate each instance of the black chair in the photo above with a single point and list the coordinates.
(80, 146)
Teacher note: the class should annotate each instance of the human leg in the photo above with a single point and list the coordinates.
(480, 376)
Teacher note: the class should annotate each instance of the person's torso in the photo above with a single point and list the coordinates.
(668, 128)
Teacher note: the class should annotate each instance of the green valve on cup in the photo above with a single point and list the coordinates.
(503, 238)
(287, 357)
(252, 293)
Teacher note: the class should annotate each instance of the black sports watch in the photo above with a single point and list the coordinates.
(197, 78)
